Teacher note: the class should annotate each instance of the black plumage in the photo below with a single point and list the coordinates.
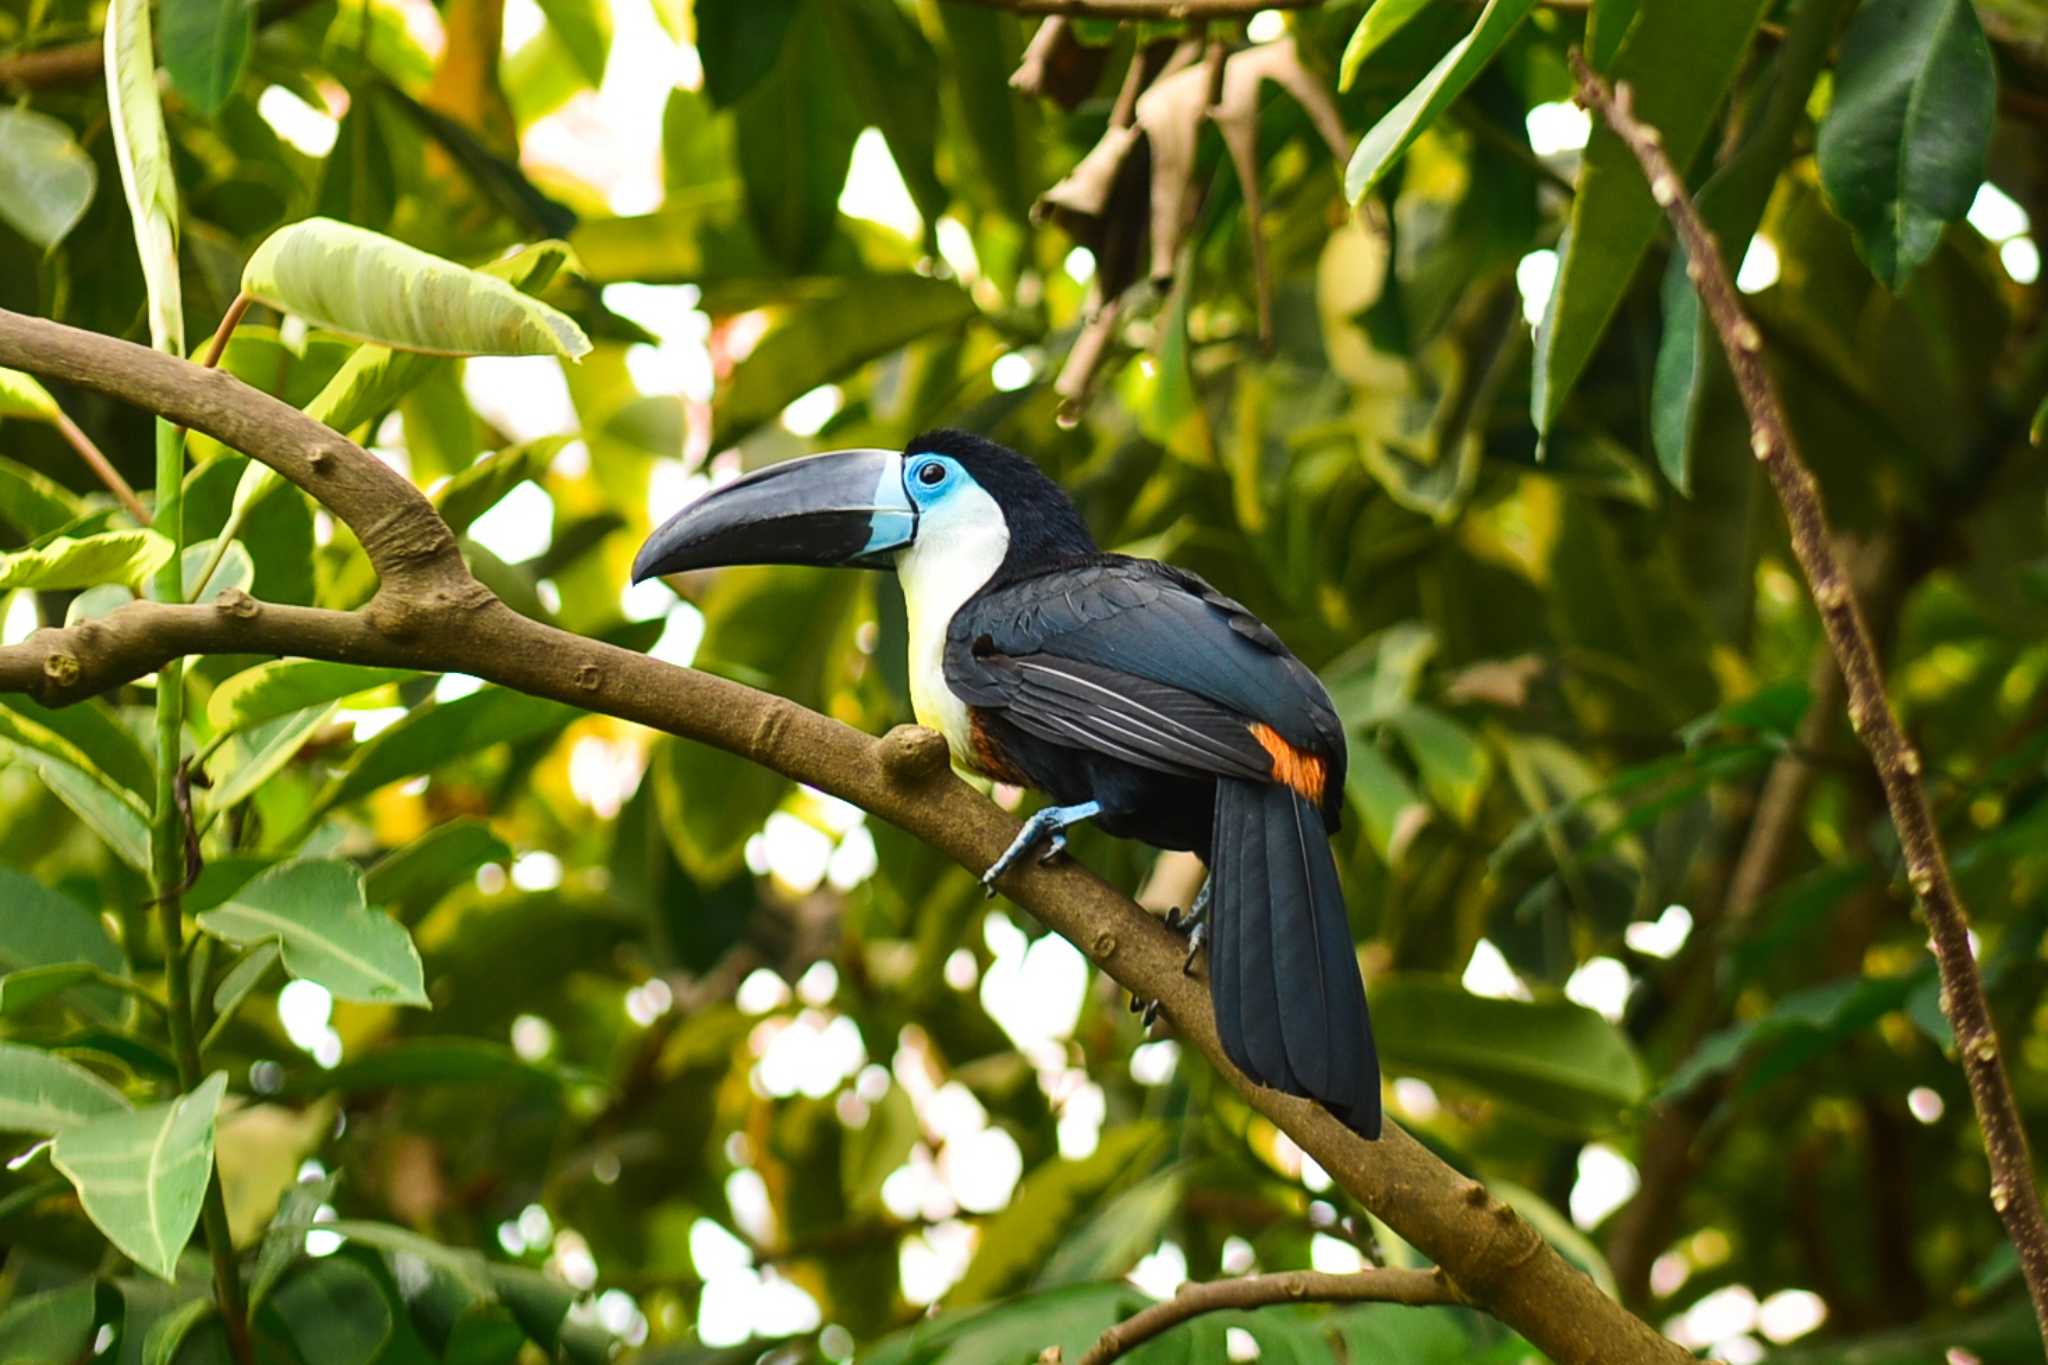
(1097, 677)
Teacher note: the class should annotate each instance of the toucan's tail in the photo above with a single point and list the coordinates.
(1283, 971)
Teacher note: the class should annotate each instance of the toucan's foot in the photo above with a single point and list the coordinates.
(1195, 924)
(1146, 1010)
(1051, 823)
(1054, 847)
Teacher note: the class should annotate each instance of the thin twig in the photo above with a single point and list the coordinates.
(1870, 712)
(1413, 1287)
(219, 345)
(97, 461)
(430, 612)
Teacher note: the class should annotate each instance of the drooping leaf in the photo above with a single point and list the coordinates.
(143, 153)
(1732, 203)
(1045, 1208)
(1680, 61)
(1398, 128)
(126, 557)
(839, 325)
(206, 45)
(333, 1311)
(164, 1343)
(40, 927)
(365, 285)
(1381, 21)
(435, 863)
(444, 731)
(244, 977)
(795, 132)
(107, 810)
(1554, 1062)
(478, 488)
(282, 686)
(32, 503)
(1903, 147)
(284, 1241)
(40, 1092)
(254, 755)
(85, 734)
(1393, 813)
(585, 30)
(1453, 763)
(888, 66)
(46, 181)
(739, 44)
(53, 1325)
(141, 1174)
(316, 913)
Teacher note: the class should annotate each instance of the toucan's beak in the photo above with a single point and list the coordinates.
(848, 507)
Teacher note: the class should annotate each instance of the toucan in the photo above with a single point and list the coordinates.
(1129, 691)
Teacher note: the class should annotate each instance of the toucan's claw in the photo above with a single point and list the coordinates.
(1195, 924)
(1050, 823)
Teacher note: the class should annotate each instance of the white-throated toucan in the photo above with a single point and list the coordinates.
(1131, 692)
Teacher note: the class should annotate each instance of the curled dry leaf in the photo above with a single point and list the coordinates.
(1058, 66)
(1132, 197)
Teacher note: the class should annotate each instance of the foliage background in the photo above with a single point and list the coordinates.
(742, 1068)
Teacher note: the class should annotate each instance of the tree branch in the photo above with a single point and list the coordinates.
(1870, 712)
(1379, 1285)
(430, 613)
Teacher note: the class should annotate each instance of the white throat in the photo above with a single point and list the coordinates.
(960, 544)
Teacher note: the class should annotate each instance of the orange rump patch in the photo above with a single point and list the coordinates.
(1302, 771)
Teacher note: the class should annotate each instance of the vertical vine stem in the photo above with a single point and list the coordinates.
(168, 877)
(1898, 764)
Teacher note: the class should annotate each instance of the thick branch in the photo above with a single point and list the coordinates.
(1870, 711)
(438, 617)
(1412, 1287)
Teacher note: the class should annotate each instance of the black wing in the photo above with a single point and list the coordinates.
(1142, 661)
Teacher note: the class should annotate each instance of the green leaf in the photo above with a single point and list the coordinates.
(429, 1062)
(365, 285)
(441, 732)
(31, 985)
(253, 756)
(1903, 147)
(66, 562)
(141, 1174)
(434, 864)
(1382, 20)
(1049, 1201)
(1732, 203)
(316, 912)
(285, 1239)
(1607, 24)
(167, 1335)
(1556, 1063)
(585, 30)
(739, 43)
(108, 811)
(32, 503)
(206, 45)
(244, 977)
(839, 324)
(42, 1093)
(333, 1311)
(46, 181)
(1802, 1026)
(478, 488)
(888, 66)
(42, 928)
(53, 1325)
(283, 686)
(1454, 765)
(1392, 811)
(1422, 106)
(1680, 60)
(795, 131)
(143, 153)
(85, 735)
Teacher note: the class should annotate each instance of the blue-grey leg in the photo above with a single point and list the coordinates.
(1051, 823)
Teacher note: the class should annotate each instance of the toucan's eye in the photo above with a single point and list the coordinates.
(931, 474)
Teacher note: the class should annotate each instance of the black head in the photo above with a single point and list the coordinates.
(1045, 526)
